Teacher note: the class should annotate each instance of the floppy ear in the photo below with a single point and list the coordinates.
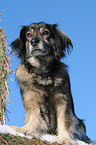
(63, 43)
(18, 45)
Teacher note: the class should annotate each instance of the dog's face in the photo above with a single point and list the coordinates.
(41, 40)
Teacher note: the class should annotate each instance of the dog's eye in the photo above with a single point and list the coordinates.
(29, 35)
(46, 32)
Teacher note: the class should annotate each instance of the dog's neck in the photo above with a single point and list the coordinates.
(41, 66)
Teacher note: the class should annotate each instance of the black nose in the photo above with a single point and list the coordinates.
(35, 41)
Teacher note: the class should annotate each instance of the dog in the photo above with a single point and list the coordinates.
(45, 83)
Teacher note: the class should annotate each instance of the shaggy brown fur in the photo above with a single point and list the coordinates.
(45, 84)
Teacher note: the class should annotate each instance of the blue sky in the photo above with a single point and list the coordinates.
(78, 20)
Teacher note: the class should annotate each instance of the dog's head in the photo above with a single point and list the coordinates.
(41, 40)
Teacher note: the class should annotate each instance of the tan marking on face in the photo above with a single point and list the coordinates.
(41, 30)
(32, 31)
(30, 34)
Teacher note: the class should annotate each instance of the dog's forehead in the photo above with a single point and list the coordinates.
(38, 26)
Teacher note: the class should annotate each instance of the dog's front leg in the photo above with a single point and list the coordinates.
(32, 123)
(62, 129)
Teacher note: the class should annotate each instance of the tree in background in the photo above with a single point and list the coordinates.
(4, 73)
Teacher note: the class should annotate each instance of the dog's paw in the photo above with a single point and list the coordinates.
(66, 141)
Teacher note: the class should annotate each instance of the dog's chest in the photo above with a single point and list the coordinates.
(48, 81)
(32, 79)
(41, 80)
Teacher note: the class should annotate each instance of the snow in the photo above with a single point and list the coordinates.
(50, 138)
(7, 129)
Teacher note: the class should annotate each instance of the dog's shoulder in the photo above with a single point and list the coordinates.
(23, 75)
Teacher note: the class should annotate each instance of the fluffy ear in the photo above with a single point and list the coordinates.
(63, 43)
(18, 44)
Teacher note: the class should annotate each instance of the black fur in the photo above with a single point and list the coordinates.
(40, 47)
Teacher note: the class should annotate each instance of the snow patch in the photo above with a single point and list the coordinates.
(50, 138)
(7, 129)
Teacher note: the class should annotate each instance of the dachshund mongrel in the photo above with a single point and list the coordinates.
(45, 84)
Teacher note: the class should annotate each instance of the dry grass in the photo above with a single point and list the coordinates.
(9, 139)
(4, 73)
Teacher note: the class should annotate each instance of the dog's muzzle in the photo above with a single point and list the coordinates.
(36, 48)
(39, 52)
